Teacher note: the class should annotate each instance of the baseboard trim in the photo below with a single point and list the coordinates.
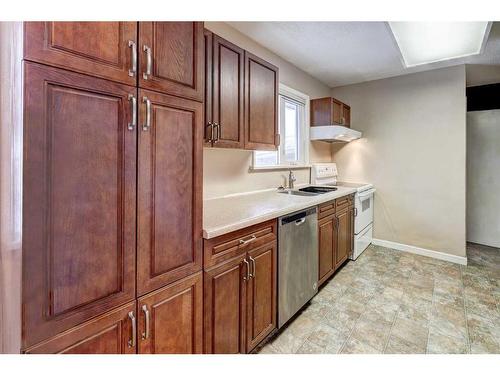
(421, 251)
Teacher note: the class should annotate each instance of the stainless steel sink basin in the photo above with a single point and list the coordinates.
(318, 189)
(296, 192)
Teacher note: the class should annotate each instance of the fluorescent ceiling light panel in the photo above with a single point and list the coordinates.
(428, 42)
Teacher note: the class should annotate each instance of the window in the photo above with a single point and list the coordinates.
(293, 129)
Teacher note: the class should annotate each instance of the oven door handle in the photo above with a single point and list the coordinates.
(367, 193)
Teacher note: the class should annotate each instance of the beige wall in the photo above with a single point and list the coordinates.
(413, 151)
(483, 177)
(227, 171)
(478, 75)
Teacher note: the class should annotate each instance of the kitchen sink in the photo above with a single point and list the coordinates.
(318, 189)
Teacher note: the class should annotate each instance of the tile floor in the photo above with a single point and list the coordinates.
(394, 302)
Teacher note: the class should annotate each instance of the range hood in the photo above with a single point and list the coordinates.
(333, 133)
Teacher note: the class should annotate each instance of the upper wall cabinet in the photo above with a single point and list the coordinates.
(241, 97)
(330, 111)
(261, 104)
(225, 78)
(171, 58)
(102, 49)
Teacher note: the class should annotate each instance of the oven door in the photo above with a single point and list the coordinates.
(363, 210)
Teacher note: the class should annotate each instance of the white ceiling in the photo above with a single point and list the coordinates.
(342, 53)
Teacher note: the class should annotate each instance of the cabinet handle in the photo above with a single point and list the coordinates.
(252, 274)
(145, 334)
(133, 70)
(149, 62)
(355, 211)
(247, 277)
(131, 342)
(133, 104)
(147, 124)
(211, 133)
(252, 238)
(217, 132)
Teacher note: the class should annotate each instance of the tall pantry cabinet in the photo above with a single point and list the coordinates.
(112, 200)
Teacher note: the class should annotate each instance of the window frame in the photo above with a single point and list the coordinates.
(303, 145)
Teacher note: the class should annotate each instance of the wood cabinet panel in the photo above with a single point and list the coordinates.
(327, 236)
(346, 111)
(108, 334)
(96, 48)
(170, 190)
(343, 237)
(175, 318)
(261, 294)
(337, 112)
(227, 99)
(224, 307)
(79, 200)
(176, 58)
(261, 104)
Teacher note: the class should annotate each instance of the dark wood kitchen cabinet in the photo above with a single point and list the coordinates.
(171, 58)
(335, 235)
(326, 239)
(343, 236)
(240, 293)
(261, 294)
(101, 49)
(261, 104)
(170, 319)
(224, 105)
(111, 333)
(112, 199)
(79, 198)
(330, 111)
(241, 97)
(224, 311)
(169, 240)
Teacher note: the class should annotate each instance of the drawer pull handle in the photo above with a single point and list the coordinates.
(244, 242)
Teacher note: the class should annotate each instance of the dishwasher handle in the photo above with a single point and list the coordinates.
(300, 221)
(298, 218)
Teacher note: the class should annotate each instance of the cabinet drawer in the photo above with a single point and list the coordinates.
(326, 209)
(344, 202)
(229, 245)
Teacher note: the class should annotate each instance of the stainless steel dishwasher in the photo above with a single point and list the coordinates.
(297, 262)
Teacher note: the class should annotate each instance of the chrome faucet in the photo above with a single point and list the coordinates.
(291, 179)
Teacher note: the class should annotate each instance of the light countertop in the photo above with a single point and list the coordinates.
(230, 213)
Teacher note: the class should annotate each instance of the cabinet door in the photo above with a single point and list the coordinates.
(343, 237)
(169, 236)
(171, 58)
(79, 199)
(228, 86)
(207, 136)
(346, 110)
(110, 333)
(261, 294)
(170, 319)
(96, 48)
(224, 307)
(336, 111)
(327, 243)
(261, 104)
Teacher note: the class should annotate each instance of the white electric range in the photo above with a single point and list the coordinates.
(326, 174)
